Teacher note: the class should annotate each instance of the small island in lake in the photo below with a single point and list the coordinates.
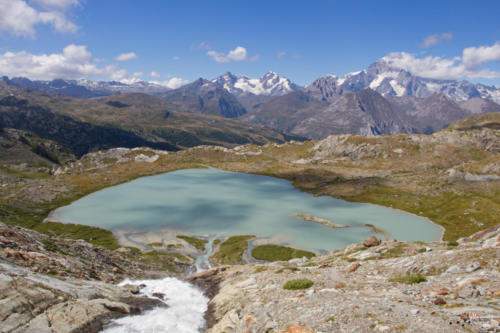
(315, 219)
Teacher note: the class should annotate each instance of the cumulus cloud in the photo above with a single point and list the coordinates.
(173, 83)
(19, 18)
(238, 54)
(473, 57)
(466, 66)
(74, 62)
(435, 39)
(154, 74)
(126, 56)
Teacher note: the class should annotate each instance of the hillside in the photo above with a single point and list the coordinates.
(129, 120)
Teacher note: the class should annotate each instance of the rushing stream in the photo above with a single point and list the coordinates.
(186, 306)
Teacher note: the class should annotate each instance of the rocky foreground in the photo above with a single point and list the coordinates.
(56, 285)
(60, 285)
(388, 287)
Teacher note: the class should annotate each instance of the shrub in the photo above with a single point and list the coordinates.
(298, 284)
(279, 253)
(409, 278)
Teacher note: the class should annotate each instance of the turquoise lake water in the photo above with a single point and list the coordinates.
(205, 202)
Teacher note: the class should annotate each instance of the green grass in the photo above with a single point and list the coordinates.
(13, 172)
(298, 284)
(231, 250)
(409, 279)
(196, 242)
(445, 209)
(279, 253)
(93, 235)
(166, 260)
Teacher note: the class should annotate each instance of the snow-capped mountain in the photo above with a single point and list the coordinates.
(271, 84)
(87, 88)
(390, 81)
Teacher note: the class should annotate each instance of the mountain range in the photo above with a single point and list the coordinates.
(381, 99)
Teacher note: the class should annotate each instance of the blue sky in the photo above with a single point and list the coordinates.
(182, 40)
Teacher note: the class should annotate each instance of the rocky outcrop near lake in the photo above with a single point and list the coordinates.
(390, 287)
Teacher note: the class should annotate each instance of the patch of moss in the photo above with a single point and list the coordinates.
(231, 250)
(298, 284)
(279, 253)
(409, 279)
(156, 244)
(196, 242)
(93, 235)
(392, 253)
(260, 269)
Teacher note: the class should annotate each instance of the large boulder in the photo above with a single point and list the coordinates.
(372, 241)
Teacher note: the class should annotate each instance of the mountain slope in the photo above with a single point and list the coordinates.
(78, 136)
(365, 112)
(150, 120)
(203, 96)
(388, 80)
(85, 88)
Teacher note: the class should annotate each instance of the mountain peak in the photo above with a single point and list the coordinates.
(270, 84)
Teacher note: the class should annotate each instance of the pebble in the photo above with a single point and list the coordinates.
(414, 311)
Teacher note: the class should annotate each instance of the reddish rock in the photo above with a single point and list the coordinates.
(354, 267)
(372, 241)
(439, 301)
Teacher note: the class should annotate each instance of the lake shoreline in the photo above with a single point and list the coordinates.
(281, 183)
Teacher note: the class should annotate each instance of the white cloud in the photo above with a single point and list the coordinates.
(473, 57)
(238, 54)
(435, 39)
(466, 66)
(74, 62)
(154, 74)
(172, 83)
(126, 56)
(281, 54)
(17, 17)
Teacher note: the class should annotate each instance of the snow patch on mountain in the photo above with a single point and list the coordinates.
(271, 84)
